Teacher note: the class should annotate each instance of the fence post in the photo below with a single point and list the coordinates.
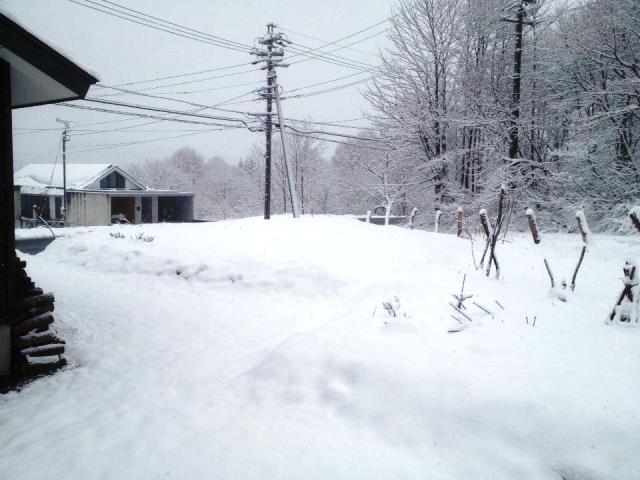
(459, 221)
(412, 219)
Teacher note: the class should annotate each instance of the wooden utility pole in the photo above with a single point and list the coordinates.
(65, 138)
(272, 55)
(267, 156)
(267, 153)
(514, 145)
(515, 96)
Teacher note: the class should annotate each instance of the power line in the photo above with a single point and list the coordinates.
(126, 144)
(163, 110)
(225, 87)
(354, 35)
(137, 142)
(222, 39)
(349, 120)
(160, 119)
(176, 118)
(325, 82)
(140, 92)
(156, 87)
(177, 33)
(341, 47)
(316, 54)
(327, 90)
(359, 31)
(186, 102)
(130, 129)
(324, 54)
(168, 77)
(163, 118)
(308, 52)
(328, 124)
(181, 32)
(326, 41)
(323, 132)
(199, 122)
(295, 134)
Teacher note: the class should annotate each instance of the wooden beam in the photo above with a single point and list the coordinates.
(7, 218)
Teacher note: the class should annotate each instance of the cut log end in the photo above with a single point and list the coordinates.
(41, 365)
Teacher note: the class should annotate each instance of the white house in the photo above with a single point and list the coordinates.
(97, 194)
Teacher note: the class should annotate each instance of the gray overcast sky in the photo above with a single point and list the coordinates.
(119, 51)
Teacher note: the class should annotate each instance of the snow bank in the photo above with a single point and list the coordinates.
(271, 356)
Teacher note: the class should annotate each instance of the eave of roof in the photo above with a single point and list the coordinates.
(44, 58)
(136, 193)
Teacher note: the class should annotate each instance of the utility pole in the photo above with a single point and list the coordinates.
(65, 138)
(271, 55)
(514, 146)
(295, 209)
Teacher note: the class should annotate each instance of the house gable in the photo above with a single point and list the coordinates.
(112, 178)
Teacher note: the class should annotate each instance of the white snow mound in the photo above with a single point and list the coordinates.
(249, 349)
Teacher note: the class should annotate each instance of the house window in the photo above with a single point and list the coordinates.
(113, 180)
(33, 206)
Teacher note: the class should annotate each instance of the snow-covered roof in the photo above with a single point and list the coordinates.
(41, 178)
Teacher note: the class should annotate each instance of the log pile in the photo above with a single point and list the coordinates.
(36, 349)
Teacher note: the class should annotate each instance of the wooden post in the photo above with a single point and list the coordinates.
(436, 226)
(7, 220)
(630, 281)
(533, 225)
(634, 217)
(496, 232)
(582, 226)
(584, 230)
(412, 219)
(484, 221)
(459, 221)
(535, 233)
(368, 218)
(546, 264)
(486, 227)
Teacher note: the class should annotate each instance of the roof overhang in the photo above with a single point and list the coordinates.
(135, 193)
(39, 74)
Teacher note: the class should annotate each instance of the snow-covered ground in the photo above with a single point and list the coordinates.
(261, 350)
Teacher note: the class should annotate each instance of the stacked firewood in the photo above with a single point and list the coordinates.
(36, 348)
